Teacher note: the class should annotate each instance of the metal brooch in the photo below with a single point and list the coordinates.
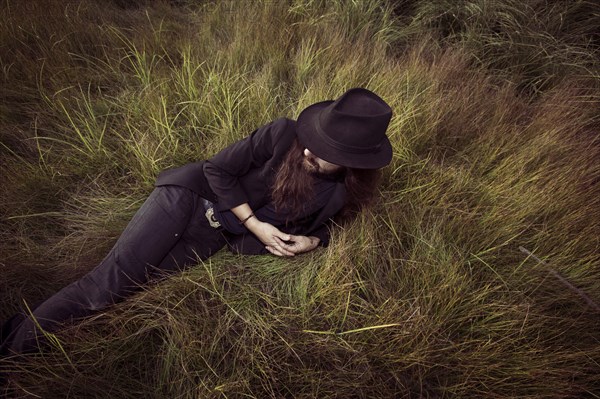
(212, 220)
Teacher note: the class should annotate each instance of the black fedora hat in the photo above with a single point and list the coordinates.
(349, 131)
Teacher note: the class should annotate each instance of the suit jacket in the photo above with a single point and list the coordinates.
(244, 172)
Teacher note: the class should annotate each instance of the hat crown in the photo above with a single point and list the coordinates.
(356, 122)
(350, 131)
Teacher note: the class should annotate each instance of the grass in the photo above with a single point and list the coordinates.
(428, 294)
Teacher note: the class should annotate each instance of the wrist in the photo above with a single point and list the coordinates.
(245, 220)
(251, 223)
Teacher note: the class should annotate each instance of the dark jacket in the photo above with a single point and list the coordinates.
(244, 172)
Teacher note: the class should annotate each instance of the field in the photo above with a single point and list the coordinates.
(476, 274)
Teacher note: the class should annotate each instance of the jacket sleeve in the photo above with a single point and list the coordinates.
(323, 234)
(224, 169)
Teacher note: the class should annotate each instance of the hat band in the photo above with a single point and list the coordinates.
(344, 147)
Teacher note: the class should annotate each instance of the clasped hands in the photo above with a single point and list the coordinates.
(280, 243)
(276, 241)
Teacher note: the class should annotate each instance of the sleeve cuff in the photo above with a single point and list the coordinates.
(323, 235)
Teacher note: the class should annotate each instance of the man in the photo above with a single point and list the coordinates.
(275, 191)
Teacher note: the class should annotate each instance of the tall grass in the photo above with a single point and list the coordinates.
(495, 137)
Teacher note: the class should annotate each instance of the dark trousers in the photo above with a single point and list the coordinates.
(168, 233)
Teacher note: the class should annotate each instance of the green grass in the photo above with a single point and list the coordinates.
(428, 294)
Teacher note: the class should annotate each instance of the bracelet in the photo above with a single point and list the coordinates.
(245, 220)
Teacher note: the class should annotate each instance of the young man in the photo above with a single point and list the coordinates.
(275, 191)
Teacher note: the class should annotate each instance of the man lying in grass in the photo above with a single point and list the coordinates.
(275, 191)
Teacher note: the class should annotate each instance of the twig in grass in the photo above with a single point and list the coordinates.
(563, 280)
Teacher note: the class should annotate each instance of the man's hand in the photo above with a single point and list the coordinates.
(297, 245)
(276, 241)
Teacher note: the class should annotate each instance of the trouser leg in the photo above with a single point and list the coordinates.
(198, 242)
(163, 233)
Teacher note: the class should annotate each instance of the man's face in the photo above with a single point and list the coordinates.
(316, 165)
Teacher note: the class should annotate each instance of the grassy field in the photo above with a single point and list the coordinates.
(448, 287)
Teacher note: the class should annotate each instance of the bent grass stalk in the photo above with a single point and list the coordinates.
(357, 330)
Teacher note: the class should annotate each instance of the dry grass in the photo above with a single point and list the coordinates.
(426, 295)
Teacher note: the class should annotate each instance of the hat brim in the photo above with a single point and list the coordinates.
(309, 138)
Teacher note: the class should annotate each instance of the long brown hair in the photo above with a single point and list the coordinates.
(293, 186)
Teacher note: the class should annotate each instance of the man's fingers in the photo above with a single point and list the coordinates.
(271, 250)
(276, 252)
(284, 251)
(282, 247)
(283, 236)
(289, 245)
(299, 244)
